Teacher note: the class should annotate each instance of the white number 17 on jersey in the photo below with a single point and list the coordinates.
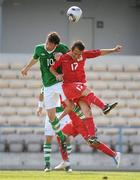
(74, 66)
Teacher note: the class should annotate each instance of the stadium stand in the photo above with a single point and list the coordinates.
(22, 131)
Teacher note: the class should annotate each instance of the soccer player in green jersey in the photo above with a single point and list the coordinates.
(45, 54)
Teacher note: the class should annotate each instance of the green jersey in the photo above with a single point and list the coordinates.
(47, 59)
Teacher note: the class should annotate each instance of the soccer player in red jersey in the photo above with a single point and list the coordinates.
(72, 64)
(74, 78)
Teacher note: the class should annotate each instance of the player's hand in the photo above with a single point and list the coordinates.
(39, 111)
(59, 77)
(24, 72)
(118, 48)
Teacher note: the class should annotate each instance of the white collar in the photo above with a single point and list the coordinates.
(49, 51)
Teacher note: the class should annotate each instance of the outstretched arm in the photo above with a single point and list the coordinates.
(25, 70)
(109, 51)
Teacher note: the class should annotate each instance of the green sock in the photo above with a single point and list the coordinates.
(69, 148)
(78, 112)
(56, 127)
(47, 152)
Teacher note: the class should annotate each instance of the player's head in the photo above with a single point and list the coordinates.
(77, 48)
(52, 41)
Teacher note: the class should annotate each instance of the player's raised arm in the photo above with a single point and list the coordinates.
(28, 66)
(33, 61)
(92, 53)
(109, 51)
(101, 52)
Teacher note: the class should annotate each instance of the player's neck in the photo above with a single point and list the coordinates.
(49, 51)
(71, 55)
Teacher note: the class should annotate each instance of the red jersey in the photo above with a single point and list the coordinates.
(73, 70)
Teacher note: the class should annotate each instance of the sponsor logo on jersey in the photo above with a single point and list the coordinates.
(43, 54)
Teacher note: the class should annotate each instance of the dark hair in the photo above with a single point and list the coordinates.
(54, 38)
(79, 45)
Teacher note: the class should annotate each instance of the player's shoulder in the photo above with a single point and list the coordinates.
(40, 46)
(91, 50)
(65, 56)
(62, 45)
(86, 51)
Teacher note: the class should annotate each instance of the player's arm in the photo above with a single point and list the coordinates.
(101, 52)
(29, 65)
(53, 69)
(109, 51)
(40, 103)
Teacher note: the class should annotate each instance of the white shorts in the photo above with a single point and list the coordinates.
(52, 96)
(48, 127)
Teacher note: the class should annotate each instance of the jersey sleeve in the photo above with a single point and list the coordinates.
(57, 63)
(35, 55)
(92, 53)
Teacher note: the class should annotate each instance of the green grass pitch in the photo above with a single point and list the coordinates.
(61, 175)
